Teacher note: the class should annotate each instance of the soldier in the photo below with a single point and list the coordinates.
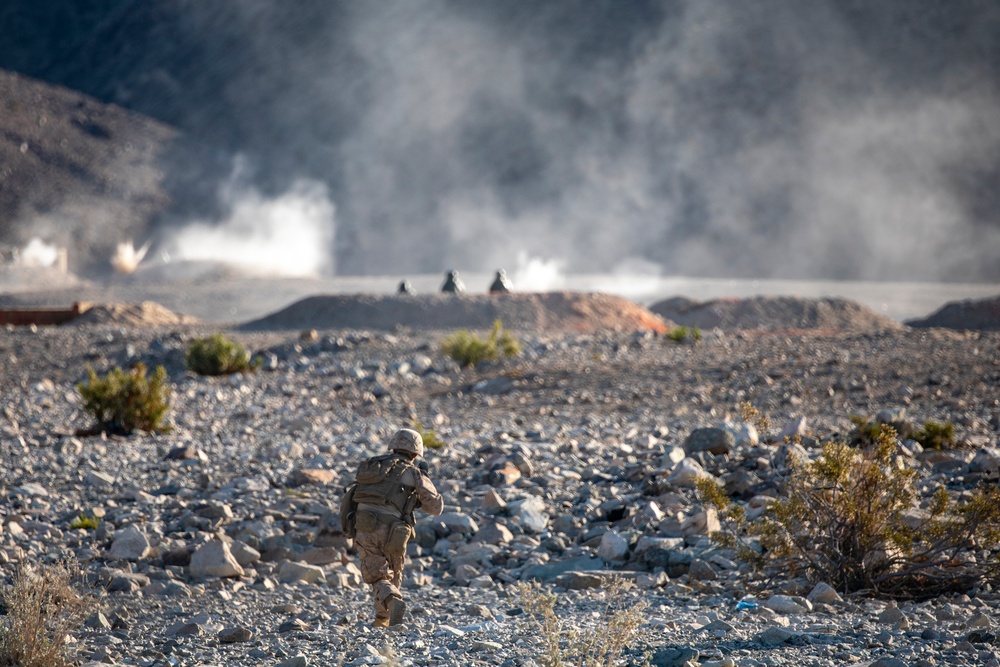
(501, 283)
(405, 287)
(453, 283)
(386, 491)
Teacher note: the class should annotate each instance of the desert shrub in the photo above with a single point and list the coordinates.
(468, 349)
(865, 433)
(43, 608)
(600, 646)
(430, 438)
(682, 334)
(852, 518)
(936, 435)
(217, 355)
(83, 522)
(123, 401)
(752, 415)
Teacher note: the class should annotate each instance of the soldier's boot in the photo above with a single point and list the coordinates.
(397, 608)
(380, 622)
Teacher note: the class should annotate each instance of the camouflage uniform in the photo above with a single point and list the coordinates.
(389, 488)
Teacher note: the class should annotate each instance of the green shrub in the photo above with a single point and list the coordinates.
(469, 349)
(936, 435)
(600, 645)
(848, 518)
(123, 401)
(430, 438)
(42, 610)
(682, 334)
(217, 355)
(864, 433)
(82, 522)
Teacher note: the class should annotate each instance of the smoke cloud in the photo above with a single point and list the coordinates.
(287, 235)
(839, 139)
(38, 253)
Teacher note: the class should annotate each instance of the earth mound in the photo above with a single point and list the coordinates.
(145, 314)
(580, 312)
(770, 313)
(969, 314)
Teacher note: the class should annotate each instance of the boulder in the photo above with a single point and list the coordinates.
(290, 571)
(129, 544)
(214, 559)
(613, 547)
(714, 440)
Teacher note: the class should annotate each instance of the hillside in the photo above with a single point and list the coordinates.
(75, 171)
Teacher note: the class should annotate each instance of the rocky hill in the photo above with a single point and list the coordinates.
(77, 172)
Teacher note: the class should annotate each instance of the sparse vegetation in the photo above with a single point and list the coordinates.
(600, 646)
(852, 518)
(468, 349)
(83, 522)
(430, 438)
(752, 415)
(217, 355)
(682, 334)
(42, 610)
(123, 401)
(865, 433)
(936, 435)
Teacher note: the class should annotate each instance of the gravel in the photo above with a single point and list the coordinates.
(546, 473)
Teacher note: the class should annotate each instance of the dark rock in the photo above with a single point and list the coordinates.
(293, 624)
(178, 557)
(674, 657)
(551, 570)
(234, 635)
(714, 440)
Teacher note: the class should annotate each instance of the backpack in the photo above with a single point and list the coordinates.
(378, 482)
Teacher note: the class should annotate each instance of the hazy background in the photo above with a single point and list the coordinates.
(830, 139)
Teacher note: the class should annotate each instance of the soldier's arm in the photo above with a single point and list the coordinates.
(430, 500)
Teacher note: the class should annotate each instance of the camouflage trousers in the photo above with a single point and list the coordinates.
(382, 549)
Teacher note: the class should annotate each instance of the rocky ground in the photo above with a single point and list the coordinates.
(562, 466)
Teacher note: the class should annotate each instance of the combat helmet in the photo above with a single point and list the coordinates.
(407, 440)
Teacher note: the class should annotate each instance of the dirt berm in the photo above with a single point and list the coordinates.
(542, 311)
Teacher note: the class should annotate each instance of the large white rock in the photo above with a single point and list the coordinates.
(613, 547)
(129, 544)
(293, 571)
(531, 512)
(214, 559)
(704, 522)
(244, 553)
(788, 604)
(825, 593)
(686, 473)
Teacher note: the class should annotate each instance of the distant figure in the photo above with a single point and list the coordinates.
(501, 283)
(453, 283)
(405, 287)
